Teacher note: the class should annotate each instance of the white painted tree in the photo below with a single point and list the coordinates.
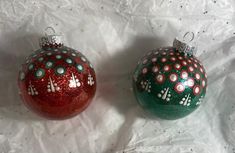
(186, 100)
(52, 86)
(90, 80)
(146, 85)
(32, 90)
(200, 100)
(74, 82)
(165, 94)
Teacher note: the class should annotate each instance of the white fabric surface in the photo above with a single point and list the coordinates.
(114, 34)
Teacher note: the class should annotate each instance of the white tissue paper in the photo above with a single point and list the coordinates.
(114, 34)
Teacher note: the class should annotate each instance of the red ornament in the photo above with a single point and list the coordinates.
(57, 82)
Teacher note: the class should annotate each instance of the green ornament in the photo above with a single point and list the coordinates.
(170, 82)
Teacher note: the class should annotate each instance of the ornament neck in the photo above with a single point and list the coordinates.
(51, 41)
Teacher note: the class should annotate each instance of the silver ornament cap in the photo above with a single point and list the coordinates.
(186, 45)
(51, 39)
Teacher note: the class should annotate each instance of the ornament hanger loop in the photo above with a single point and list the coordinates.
(49, 31)
(188, 37)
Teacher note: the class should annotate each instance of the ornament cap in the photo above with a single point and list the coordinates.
(186, 46)
(51, 39)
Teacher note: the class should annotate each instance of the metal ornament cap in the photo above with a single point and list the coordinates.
(184, 45)
(50, 40)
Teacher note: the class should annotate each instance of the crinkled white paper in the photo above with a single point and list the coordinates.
(114, 34)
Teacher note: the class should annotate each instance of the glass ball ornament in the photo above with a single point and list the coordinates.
(55, 81)
(170, 82)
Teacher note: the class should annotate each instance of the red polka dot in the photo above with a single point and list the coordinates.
(149, 53)
(167, 68)
(155, 69)
(144, 70)
(180, 58)
(190, 82)
(184, 74)
(154, 59)
(203, 83)
(160, 78)
(177, 66)
(184, 63)
(173, 77)
(201, 70)
(173, 59)
(156, 52)
(197, 76)
(145, 61)
(196, 90)
(179, 87)
(163, 60)
(190, 69)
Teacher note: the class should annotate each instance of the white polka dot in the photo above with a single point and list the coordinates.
(163, 60)
(177, 66)
(184, 63)
(180, 57)
(184, 75)
(160, 78)
(49, 64)
(60, 70)
(173, 77)
(145, 70)
(171, 53)
(49, 53)
(69, 61)
(156, 52)
(190, 82)
(154, 59)
(145, 61)
(163, 53)
(197, 76)
(196, 90)
(22, 75)
(79, 67)
(173, 59)
(203, 83)
(179, 87)
(58, 56)
(189, 61)
(155, 69)
(166, 68)
(83, 59)
(190, 68)
(201, 69)
(195, 65)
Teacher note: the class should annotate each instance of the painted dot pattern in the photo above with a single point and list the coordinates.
(49, 60)
(176, 70)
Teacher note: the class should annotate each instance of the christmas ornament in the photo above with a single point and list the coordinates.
(56, 81)
(170, 82)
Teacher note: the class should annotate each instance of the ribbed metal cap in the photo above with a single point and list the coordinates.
(51, 40)
(185, 46)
